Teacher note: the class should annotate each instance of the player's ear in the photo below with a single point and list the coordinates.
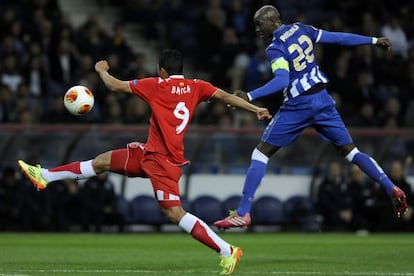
(159, 70)
(162, 72)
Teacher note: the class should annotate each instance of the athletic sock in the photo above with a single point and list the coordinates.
(254, 177)
(368, 165)
(201, 232)
(74, 170)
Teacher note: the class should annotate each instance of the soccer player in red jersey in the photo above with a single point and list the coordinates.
(173, 100)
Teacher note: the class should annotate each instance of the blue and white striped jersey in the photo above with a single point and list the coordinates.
(292, 57)
(292, 49)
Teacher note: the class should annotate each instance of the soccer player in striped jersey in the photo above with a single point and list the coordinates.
(173, 100)
(306, 104)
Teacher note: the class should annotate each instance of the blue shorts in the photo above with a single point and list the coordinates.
(317, 111)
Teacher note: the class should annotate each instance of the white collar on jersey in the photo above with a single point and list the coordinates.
(176, 77)
(160, 80)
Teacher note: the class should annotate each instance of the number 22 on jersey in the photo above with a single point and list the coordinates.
(304, 49)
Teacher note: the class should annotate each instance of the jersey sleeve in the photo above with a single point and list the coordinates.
(347, 39)
(206, 89)
(277, 84)
(340, 38)
(142, 87)
(277, 59)
(313, 32)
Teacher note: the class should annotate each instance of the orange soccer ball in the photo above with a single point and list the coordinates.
(79, 100)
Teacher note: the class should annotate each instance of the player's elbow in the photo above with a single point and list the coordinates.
(283, 78)
(284, 82)
(111, 87)
(221, 95)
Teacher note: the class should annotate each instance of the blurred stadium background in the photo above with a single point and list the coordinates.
(49, 45)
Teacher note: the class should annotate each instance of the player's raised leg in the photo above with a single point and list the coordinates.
(41, 177)
(373, 170)
(126, 161)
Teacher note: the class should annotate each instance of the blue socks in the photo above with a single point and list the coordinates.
(257, 170)
(254, 176)
(372, 169)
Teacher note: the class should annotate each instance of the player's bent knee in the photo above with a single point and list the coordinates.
(101, 163)
(174, 214)
(344, 150)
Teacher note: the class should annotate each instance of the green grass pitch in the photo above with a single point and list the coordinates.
(178, 254)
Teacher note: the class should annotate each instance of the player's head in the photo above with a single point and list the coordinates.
(267, 20)
(170, 62)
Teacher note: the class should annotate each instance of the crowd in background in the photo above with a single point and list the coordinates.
(350, 201)
(44, 54)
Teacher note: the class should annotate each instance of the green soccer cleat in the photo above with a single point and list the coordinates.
(34, 174)
(229, 264)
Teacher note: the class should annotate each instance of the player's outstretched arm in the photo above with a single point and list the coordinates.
(350, 39)
(112, 83)
(232, 100)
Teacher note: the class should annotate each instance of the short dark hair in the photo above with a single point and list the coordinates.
(267, 12)
(172, 61)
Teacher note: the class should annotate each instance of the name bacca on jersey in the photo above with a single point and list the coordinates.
(181, 89)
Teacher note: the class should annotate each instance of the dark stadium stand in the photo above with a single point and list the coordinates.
(207, 208)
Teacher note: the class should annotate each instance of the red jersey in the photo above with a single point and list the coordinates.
(173, 102)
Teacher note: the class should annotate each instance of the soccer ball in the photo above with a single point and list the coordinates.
(78, 100)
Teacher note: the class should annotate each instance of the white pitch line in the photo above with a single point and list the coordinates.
(191, 272)
(13, 274)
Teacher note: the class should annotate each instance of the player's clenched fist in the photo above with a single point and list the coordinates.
(101, 66)
(383, 43)
(263, 113)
